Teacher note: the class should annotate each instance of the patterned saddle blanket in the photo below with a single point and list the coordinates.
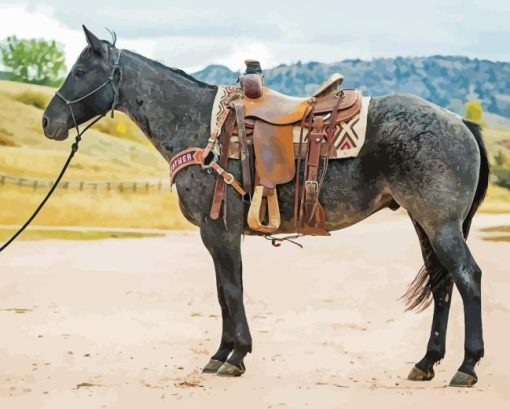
(349, 134)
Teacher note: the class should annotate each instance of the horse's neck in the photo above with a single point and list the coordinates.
(172, 110)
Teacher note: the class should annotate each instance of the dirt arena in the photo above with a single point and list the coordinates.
(129, 323)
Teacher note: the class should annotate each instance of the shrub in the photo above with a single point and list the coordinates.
(35, 98)
(474, 113)
(501, 170)
(6, 138)
(120, 126)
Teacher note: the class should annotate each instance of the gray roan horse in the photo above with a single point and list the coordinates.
(416, 156)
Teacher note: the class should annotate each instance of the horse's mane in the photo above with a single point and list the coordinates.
(157, 64)
(148, 61)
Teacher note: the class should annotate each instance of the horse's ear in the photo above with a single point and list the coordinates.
(95, 43)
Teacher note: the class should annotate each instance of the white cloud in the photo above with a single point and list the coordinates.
(41, 22)
(192, 34)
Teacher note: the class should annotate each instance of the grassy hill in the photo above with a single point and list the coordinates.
(449, 81)
(112, 150)
(103, 156)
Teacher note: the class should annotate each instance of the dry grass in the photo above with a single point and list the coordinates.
(121, 127)
(41, 234)
(158, 210)
(44, 163)
(25, 151)
(496, 140)
(127, 156)
(501, 239)
(496, 201)
(496, 229)
(34, 98)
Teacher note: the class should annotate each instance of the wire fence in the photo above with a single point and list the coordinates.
(121, 186)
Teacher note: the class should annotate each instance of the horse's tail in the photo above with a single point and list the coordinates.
(419, 294)
(483, 177)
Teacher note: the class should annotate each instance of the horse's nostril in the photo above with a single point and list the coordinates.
(45, 122)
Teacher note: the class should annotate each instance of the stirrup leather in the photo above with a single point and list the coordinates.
(272, 212)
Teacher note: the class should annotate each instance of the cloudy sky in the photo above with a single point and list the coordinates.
(191, 34)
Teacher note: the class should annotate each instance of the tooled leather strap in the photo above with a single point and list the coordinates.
(195, 156)
(219, 189)
(185, 158)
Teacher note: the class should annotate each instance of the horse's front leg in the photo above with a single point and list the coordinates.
(225, 249)
(227, 330)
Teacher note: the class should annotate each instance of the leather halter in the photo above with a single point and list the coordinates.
(115, 87)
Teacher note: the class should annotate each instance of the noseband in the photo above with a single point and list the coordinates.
(115, 87)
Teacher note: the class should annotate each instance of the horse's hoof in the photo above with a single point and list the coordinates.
(212, 366)
(463, 380)
(230, 370)
(417, 374)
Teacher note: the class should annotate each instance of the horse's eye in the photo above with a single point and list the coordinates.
(79, 72)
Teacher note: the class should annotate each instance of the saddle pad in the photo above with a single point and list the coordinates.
(349, 135)
(220, 109)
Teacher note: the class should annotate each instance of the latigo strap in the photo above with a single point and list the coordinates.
(243, 142)
(220, 193)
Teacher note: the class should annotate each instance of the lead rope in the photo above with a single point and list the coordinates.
(74, 149)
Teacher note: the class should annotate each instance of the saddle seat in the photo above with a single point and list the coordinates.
(273, 118)
(280, 109)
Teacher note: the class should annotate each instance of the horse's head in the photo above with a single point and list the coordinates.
(90, 89)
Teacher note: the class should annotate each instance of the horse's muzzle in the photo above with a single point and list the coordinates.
(54, 129)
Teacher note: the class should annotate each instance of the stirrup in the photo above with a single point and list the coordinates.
(273, 210)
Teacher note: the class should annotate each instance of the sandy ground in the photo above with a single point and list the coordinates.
(129, 324)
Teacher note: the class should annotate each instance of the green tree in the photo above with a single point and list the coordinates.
(474, 112)
(33, 60)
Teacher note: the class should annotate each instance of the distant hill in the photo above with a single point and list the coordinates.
(447, 81)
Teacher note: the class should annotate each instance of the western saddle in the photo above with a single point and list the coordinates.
(265, 122)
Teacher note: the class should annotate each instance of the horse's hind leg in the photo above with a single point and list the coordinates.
(441, 286)
(453, 253)
(225, 249)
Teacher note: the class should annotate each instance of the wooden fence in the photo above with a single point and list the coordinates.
(121, 186)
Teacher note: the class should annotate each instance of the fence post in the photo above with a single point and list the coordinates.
(121, 187)
(81, 186)
(20, 182)
(108, 186)
(134, 186)
(159, 186)
(2, 180)
(35, 185)
(146, 187)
